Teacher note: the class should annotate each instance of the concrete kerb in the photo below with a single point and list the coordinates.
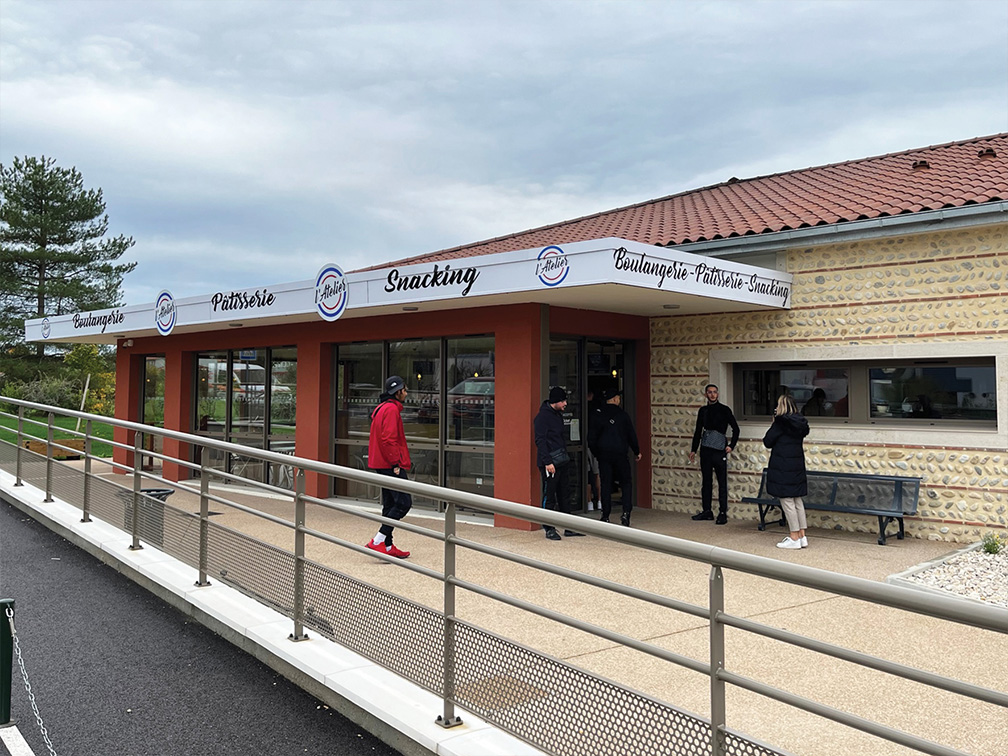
(398, 712)
(903, 578)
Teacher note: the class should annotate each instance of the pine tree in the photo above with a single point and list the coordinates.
(54, 257)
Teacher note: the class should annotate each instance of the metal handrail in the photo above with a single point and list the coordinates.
(950, 609)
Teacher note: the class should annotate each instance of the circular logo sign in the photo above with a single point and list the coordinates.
(46, 328)
(164, 313)
(331, 291)
(552, 267)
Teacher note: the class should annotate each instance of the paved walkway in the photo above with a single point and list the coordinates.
(116, 671)
(960, 652)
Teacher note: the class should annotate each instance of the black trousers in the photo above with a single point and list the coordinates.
(615, 469)
(394, 504)
(713, 461)
(556, 489)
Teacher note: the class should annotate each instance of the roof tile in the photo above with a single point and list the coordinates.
(957, 174)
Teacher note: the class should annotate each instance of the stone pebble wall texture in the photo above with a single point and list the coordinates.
(945, 286)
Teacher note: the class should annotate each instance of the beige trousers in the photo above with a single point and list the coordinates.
(794, 512)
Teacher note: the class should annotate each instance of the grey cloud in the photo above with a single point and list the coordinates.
(228, 132)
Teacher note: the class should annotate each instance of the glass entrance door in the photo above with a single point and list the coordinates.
(585, 367)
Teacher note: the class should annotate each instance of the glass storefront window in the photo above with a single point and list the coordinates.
(470, 471)
(470, 396)
(963, 393)
(358, 385)
(946, 392)
(154, 386)
(248, 397)
(448, 416)
(418, 363)
(818, 392)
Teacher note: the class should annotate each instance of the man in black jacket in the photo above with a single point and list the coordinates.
(610, 436)
(710, 437)
(552, 458)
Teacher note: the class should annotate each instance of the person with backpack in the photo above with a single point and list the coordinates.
(388, 455)
(610, 436)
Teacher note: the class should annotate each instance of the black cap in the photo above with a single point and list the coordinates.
(557, 394)
(393, 384)
(610, 392)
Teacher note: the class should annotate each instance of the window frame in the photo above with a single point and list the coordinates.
(858, 376)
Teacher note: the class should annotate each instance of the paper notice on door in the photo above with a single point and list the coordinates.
(575, 426)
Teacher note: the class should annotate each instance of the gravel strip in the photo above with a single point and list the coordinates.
(972, 574)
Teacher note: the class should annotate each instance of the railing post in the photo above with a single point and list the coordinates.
(204, 514)
(717, 661)
(299, 541)
(87, 472)
(20, 447)
(447, 718)
(137, 465)
(6, 659)
(49, 462)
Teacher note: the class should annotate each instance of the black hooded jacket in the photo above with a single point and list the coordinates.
(611, 433)
(549, 433)
(786, 470)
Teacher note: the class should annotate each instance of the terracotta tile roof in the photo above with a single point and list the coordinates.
(946, 175)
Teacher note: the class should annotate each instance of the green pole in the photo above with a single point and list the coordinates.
(6, 660)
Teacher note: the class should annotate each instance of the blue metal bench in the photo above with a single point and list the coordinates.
(888, 497)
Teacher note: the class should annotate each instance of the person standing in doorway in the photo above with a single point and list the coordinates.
(388, 455)
(552, 458)
(786, 477)
(611, 435)
(711, 438)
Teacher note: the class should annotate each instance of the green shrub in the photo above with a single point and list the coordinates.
(993, 542)
(59, 392)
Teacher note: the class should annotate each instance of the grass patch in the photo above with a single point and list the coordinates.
(62, 428)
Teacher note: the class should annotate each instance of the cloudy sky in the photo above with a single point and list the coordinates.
(243, 142)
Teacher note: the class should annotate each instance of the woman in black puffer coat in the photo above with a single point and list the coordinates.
(786, 477)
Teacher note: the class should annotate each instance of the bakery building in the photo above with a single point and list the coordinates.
(874, 291)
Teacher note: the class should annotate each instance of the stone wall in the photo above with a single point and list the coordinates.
(923, 289)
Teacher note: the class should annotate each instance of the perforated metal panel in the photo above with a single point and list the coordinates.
(550, 704)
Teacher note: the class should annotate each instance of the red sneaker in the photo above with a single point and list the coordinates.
(395, 551)
(376, 547)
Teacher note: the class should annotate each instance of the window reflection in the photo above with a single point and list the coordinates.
(450, 404)
(821, 392)
(930, 393)
(470, 398)
(960, 393)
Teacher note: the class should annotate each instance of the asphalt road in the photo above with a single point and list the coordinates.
(117, 672)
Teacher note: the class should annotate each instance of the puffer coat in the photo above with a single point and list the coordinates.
(786, 477)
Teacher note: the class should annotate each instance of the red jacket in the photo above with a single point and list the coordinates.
(387, 444)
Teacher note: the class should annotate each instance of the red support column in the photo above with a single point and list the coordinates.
(516, 396)
(313, 427)
(177, 410)
(129, 387)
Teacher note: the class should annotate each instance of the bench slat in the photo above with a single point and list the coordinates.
(887, 497)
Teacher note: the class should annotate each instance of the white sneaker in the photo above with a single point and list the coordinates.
(787, 543)
(804, 542)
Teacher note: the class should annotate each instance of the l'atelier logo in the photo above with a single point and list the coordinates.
(331, 292)
(552, 266)
(164, 313)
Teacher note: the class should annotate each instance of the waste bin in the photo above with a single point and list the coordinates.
(151, 524)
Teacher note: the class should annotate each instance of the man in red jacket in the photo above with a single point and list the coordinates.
(388, 455)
